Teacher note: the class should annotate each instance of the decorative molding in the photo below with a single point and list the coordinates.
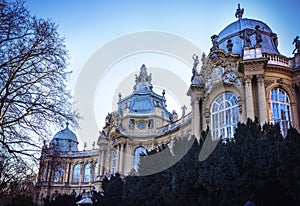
(231, 78)
(268, 83)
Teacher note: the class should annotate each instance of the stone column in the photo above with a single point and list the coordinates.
(262, 102)
(66, 178)
(121, 158)
(91, 171)
(82, 164)
(102, 166)
(294, 116)
(195, 117)
(71, 172)
(118, 158)
(100, 162)
(249, 97)
(49, 174)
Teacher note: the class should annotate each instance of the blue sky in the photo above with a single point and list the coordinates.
(86, 25)
(90, 24)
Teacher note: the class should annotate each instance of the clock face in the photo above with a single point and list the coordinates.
(141, 125)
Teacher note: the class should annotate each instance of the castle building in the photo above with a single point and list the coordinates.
(243, 76)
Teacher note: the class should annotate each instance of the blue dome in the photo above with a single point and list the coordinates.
(65, 140)
(66, 134)
(235, 29)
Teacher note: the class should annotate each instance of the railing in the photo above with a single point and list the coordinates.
(174, 125)
(276, 59)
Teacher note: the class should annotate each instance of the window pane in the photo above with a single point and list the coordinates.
(280, 109)
(113, 166)
(87, 173)
(138, 151)
(58, 173)
(95, 171)
(76, 173)
(224, 118)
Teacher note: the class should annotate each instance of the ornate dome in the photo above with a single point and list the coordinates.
(65, 140)
(243, 26)
(143, 100)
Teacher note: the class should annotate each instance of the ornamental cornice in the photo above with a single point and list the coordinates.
(280, 69)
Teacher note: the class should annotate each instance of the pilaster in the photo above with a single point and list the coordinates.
(249, 97)
(262, 102)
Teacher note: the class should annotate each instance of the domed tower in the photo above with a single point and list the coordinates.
(143, 111)
(245, 76)
(64, 141)
(249, 33)
(135, 127)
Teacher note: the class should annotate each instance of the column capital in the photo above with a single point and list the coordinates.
(260, 77)
(248, 78)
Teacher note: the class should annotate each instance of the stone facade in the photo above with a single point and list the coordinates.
(243, 76)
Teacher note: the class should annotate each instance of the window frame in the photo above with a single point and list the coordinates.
(224, 116)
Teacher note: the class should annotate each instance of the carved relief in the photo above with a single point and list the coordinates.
(207, 114)
(231, 78)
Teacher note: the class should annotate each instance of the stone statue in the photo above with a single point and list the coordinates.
(196, 62)
(258, 33)
(275, 39)
(297, 45)
(239, 12)
(183, 108)
(214, 40)
(246, 37)
(203, 58)
(229, 45)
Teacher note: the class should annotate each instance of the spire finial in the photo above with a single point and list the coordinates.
(143, 81)
(67, 125)
(239, 12)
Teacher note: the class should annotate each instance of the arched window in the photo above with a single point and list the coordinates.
(113, 164)
(95, 171)
(87, 172)
(59, 173)
(76, 173)
(224, 116)
(280, 109)
(137, 152)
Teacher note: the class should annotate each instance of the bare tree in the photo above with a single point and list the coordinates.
(33, 79)
(16, 179)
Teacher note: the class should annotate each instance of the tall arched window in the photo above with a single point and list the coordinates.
(224, 116)
(76, 173)
(95, 174)
(137, 153)
(87, 172)
(113, 163)
(59, 172)
(280, 109)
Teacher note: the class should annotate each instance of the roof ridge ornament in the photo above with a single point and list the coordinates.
(143, 81)
(239, 12)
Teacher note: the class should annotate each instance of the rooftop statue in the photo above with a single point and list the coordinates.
(143, 81)
(229, 45)
(196, 62)
(246, 37)
(258, 33)
(239, 12)
(214, 40)
(297, 45)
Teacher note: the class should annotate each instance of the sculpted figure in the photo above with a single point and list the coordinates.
(246, 37)
(239, 12)
(258, 33)
(196, 62)
(297, 45)
(229, 45)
